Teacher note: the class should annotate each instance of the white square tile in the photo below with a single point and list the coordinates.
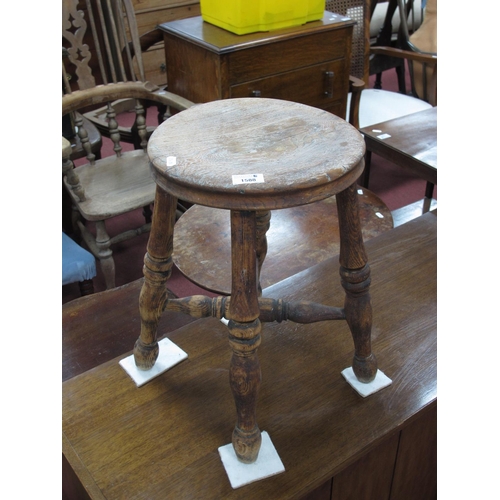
(268, 464)
(379, 382)
(169, 355)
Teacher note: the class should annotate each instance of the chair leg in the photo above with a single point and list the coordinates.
(67, 212)
(355, 278)
(244, 335)
(76, 219)
(147, 213)
(400, 73)
(365, 176)
(86, 287)
(105, 254)
(162, 111)
(157, 269)
(429, 190)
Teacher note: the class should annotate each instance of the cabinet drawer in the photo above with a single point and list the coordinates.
(307, 85)
(287, 55)
(154, 65)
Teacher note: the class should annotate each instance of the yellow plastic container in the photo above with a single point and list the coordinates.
(249, 16)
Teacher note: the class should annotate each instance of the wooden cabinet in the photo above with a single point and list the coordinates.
(402, 467)
(161, 441)
(149, 13)
(307, 64)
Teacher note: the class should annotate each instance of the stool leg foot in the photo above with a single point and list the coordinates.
(157, 269)
(244, 335)
(355, 277)
(365, 369)
(358, 312)
(247, 444)
(245, 378)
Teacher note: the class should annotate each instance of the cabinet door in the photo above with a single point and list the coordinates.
(154, 65)
(415, 475)
(192, 71)
(370, 477)
(322, 85)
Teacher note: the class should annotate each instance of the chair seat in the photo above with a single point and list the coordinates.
(116, 185)
(378, 106)
(77, 263)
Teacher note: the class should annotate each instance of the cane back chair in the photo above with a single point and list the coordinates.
(420, 39)
(369, 106)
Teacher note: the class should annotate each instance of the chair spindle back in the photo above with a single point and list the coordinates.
(101, 41)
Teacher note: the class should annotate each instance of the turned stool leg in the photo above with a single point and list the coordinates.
(355, 277)
(157, 269)
(244, 335)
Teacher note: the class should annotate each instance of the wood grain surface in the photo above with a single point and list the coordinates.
(99, 327)
(409, 141)
(160, 441)
(220, 40)
(303, 154)
(298, 238)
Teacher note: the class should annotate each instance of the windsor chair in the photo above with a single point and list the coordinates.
(103, 46)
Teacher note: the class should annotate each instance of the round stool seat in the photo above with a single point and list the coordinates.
(255, 154)
(298, 238)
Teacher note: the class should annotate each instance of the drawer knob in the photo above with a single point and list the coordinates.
(255, 93)
(329, 75)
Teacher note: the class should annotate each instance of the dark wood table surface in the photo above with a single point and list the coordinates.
(98, 327)
(298, 238)
(160, 441)
(409, 141)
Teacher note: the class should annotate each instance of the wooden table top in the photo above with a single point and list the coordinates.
(298, 238)
(222, 41)
(93, 332)
(161, 441)
(410, 141)
(276, 153)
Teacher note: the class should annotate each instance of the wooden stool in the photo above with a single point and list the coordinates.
(251, 156)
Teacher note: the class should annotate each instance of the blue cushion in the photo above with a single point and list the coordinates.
(77, 263)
